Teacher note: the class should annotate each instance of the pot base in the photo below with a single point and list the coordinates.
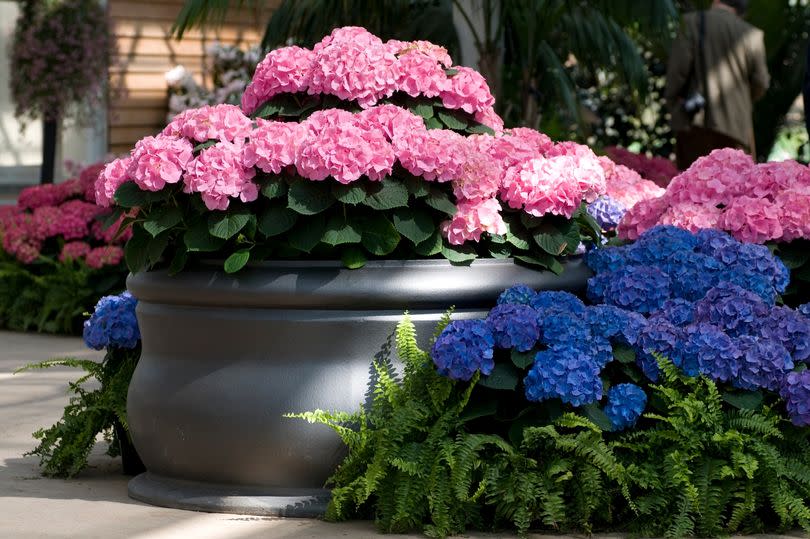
(216, 498)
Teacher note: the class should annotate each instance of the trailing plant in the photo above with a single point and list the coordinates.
(64, 447)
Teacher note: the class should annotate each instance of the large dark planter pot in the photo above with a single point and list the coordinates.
(224, 357)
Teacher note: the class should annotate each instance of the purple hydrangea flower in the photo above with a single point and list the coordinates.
(804, 309)
(716, 354)
(520, 294)
(659, 337)
(796, 392)
(514, 326)
(465, 346)
(692, 274)
(678, 311)
(550, 301)
(642, 289)
(113, 323)
(763, 364)
(626, 403)
(736, 310)
(563, 372)
(790, 328)
(607, 212)
(711, 241)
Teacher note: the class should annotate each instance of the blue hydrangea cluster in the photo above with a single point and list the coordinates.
(625, 404)
(563, 372)
(520, 294)
(462, 348)
(642, 289)
(551, 301)
(607, 212)
(804, 309)
(763, 364)
(796, 392)
(514, 326)
(113, 323)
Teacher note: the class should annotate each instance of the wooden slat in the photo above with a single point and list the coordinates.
(143, 116)
(155, 29)
(130, 135)
(168, 12)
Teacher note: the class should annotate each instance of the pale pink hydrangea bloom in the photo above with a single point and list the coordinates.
(544, 185)
(115, 174)
(713, 179)
(587, 170)
(467, 90)
(215, 122)
(218, 174)
(321, 119)
(157, 161)
(109, 255)
(284, 70)
(435, 154)
(626, 185)
(479, 177)
(472, 219)
(353, 64)
(794, 215)
(418, 74)
(272, 145)
(74, 250)
(435, 52)
(392, 120)
(645, 214)
(767, 179)
(752, 220)
(691, 217)
(345, 150)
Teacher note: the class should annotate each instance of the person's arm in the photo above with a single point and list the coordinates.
(760, 79)
(679, 67)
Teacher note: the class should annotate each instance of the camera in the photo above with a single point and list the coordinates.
(694, 103)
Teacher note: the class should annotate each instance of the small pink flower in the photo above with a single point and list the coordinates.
(210, 123)
(645, 214)
(110, 179)
(794, 210)
(435, 52)
(157, 161)
(392, 120)
(472, 219)
(479, 177)
(435, 155)
(418, 75)
(219, 174)
(490, 118)
(626, 185)
(691, 217)
(544, 185)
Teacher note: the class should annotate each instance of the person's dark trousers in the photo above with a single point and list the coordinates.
(699, 141)
(806, 91)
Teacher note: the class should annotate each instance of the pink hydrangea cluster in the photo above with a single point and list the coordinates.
(74, 250)
(658, 170)
(108, 255)
(272, 145)
(157, 161)
(355, 65)
(626, 185)
(473, 218)
(210, 123)
(435, 155)
(726, 190)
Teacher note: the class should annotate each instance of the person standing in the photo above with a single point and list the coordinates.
(717, 69)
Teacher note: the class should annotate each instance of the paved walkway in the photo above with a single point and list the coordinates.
(95, 504)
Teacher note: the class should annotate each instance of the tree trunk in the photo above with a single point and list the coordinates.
(49, 132)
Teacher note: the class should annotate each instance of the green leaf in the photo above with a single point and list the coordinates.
(542, 260)
(136, 254)
(353, 257)
(624, 353)
(203, 145)
(478, 410)
(110, 219)
(431, 246)
(416, 225)
(556, 238)
(480, 129)
(500, 250)
(276, 220)
(503, 377)
(459, 254)
(129, 195)
(340, 230)
(453, 120)
(308, 198)
(155, 248)
(744, 400)
(425, 110)
(275, 188)
(519, 240)
(178, 260)
(433, 123)
(227, 224)
(417, 187)
(198, 239)
(387, 195)
(163, 219)
(266, 110)
(308, 233)
(450, 72)
(349, 194)
(598, 417)
(379, 236)
(237, 261)
(523, 360)
(438, 200)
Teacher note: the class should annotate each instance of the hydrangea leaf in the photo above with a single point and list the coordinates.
(416, 225)
(597, 417)
(623, 353)
(308, 197)
(744, 400)
(276, 220)
(379, 236)
(156, 247)
(478, 410)
(237, 261)
(518, 239)
(503, 377)
(135, 251)
(556, 238)
(500, 250)
(431, 246)
(267, 109)
(425, 110)
(308, 233)
(203, 145)
(349, 194)
(112, 217)
(178, 260)
(522, 360)
(340, 230)
(433, 123)
(417, 187)
(129, 195)
(226, 225)
(439, 200)
(543, 260)
(275, 188)
(480, 129)
(162, 219)
(388, 195)
(459, 254)
(453, 120)
(353, 257)
(198, 239)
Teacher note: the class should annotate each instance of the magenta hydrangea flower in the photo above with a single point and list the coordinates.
(218, 174)
(108, 255)
(472, 219)
(284, 70)
(157, 161)
(74, 250)
(272, 145)
(114, 175)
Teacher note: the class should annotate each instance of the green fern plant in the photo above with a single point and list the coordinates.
(64, 447)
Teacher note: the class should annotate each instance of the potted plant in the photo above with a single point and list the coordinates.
(284, 240)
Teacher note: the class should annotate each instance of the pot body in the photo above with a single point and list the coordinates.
(225, 357)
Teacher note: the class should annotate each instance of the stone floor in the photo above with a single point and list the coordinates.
(95, 504)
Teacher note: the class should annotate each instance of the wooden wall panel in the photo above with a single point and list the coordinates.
(146, 51)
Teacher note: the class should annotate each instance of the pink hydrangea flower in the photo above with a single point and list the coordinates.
(87, 180)
(752, 220)
(489, 118)
(435, 52)
(109, 255)
(46, 222)
(472, 219)
(157, 161)
(588, 171)
(211, 123)
(107, 235)
(418, 74)
(435, 154)
(219, 174)
(284, 70)
(74, 250)
(713, 179)
(691, 217)
(110, 179)
(626, 185)
(467, 90)
(345, 150)
(794, 215)
(479, 177)
(645, 214)
(392, 120)
(272, 145)
(544, 185)
(41, 195)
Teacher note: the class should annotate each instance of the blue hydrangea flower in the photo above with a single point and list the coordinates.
(716, 353)
(642, 289)
(520, 294)
(736, 310)
(626, 403)
(636, 324)
(763, 364)
(607, 321)
(804, 309)
(712, 241)
(607, 212)
(660, 337)
(514, 326)
(606, 259)
(655, 246)
(753, 282)
(463, 347)
(752, 259)
(678, 311)
(563, 372)
(113, 323)
(564, 328)
(796, 392)
(786, 326)
(692, 274)
(550, 301)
